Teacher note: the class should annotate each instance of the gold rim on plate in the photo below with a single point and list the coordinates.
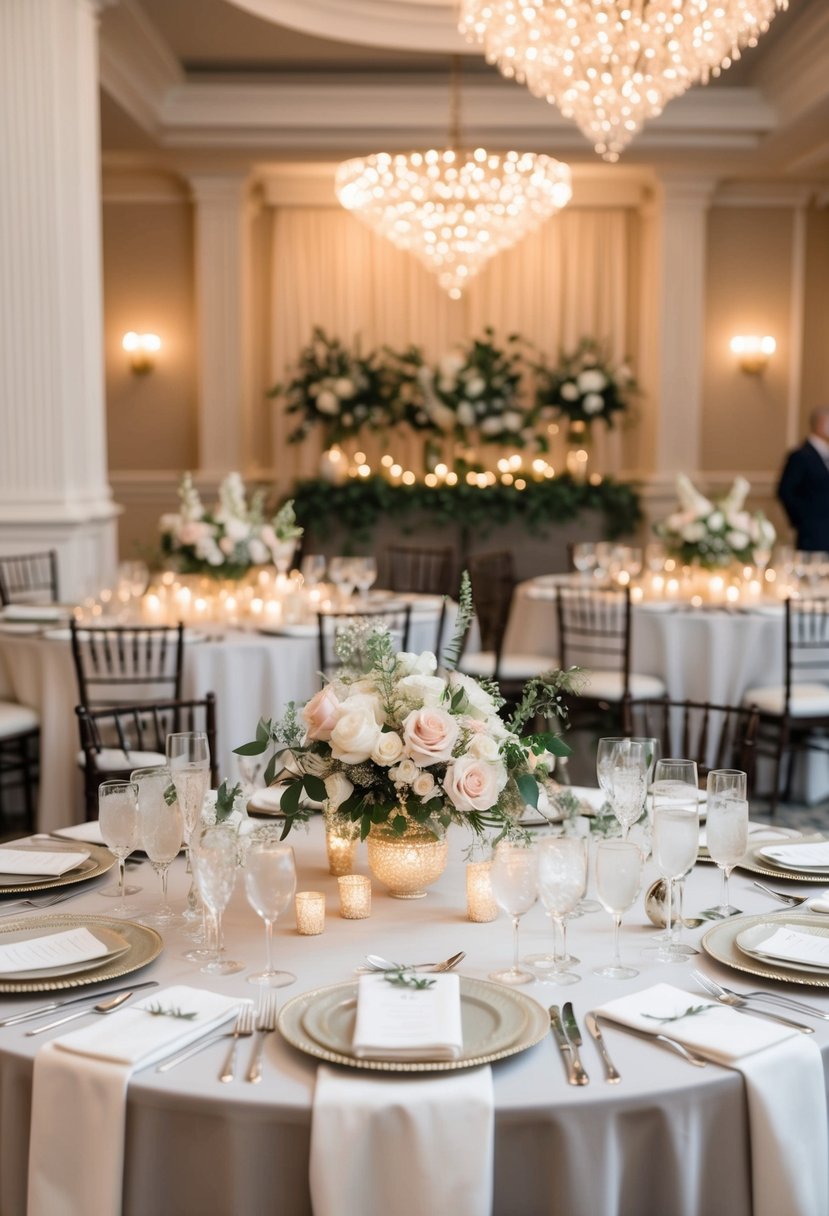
(99, 861)
(756, 865)
(531, 1021)
(720, 942)
(144, 946)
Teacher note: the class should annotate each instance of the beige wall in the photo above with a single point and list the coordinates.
(815, 385)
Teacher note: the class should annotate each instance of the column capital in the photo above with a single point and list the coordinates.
(220, 187)
(683, 188)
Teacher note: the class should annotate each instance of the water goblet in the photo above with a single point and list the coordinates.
(514, 879)
(562, 878)
(365, 575)
(215, 859)
(188, 756)
(726, 829)
(312, 569)
(618, 879)
(120, 829)
(161, 829)
(270, 883)
(622, 770)
(341, 573)
(675, 839)
(584, 559)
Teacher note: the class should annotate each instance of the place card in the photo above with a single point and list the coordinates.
(50, 864)
(53, 950)
(408, 1023)
(790, 945)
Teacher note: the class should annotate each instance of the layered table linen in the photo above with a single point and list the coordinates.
(785, 1090)
(89, 832)
(79, 1098)
(408, 1145)
(39, 863)
(397, 1022)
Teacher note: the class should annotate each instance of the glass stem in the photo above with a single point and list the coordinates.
(680, 913)
(165, 870)
(515, 922)
(617, 936)
(669, 910)
(269, 947)
(217, 920)
(563, 924)
(724, 897)
(122, 877)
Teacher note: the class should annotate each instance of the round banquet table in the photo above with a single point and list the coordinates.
(670, 1140)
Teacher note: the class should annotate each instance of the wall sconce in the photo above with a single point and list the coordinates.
(141, 348)
(753, 352)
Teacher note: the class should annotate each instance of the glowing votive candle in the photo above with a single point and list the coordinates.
(355, 896)
(480, 902)
(310, 912)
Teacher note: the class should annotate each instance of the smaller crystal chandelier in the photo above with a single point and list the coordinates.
(611, 64)
(454, 210)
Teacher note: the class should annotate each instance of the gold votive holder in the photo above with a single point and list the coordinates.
(355, 896)
(480, 902)
(340, 850)
(310, 912)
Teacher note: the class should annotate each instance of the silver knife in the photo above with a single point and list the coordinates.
(573, 1033)
(611, 1074)
(94, 994)
(563, 1043)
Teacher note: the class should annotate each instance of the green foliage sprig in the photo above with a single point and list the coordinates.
(159, 1011)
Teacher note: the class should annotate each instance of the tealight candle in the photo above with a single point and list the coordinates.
(310, 912)
(480, 902)
(355, 896)
(340, 849)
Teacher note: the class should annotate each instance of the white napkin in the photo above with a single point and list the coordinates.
(401, 1023)
(799, 856)
(89, 832)
(48, 863)
(785, 1090)
(384, 1142)
(821, 904)
(79, 1098)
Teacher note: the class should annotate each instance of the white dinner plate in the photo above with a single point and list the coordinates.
(791, 861)
(115, 943)
(750, 942)
(300, 629)
(720, 942)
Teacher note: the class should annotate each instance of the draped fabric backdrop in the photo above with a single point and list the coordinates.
(575, 277)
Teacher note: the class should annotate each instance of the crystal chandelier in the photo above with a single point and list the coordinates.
(611, 64)
(454, 210)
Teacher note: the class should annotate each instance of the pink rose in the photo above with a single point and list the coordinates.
(429, 735)
(472, 784)
(320, 713)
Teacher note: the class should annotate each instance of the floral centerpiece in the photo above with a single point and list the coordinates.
(234, 535)
(394, 741)
(716, 533)
(584, 388)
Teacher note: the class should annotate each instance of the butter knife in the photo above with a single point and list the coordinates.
(94, 994)
(563, 1044)
(611, 1074)
(573, 1033)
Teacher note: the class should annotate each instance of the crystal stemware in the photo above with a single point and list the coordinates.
(161, 829)
(514, 879)
(215, 862)
(618, 879)
(726, 829)
(365, 575)
(270, 883)
(675, 838)
(622, 770)
(562, 878)
(188, 755)
(120, 829)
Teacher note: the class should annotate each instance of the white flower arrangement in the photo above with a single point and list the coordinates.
(228, 540)
(585, 386)
(715, 533)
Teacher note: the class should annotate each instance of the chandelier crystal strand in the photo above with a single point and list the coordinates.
(612, 64)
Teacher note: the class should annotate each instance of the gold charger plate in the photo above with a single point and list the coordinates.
(514, 1021)
(720, 942)
(99, 861)
(759, 865)
(144, 945)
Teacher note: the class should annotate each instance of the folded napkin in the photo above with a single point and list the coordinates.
(785, 1091)
(799, 856)
(39, 863)
(382, 1144)
(79, 1098)
(89, 832)
(821, 904)
(790, 945)
(402, 1023)
(51, 950)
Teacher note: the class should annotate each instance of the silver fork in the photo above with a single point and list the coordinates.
(265, 1025)
(24, 905)
(738, 1002)
(792, 901)
(777, 998)
(242, 1030)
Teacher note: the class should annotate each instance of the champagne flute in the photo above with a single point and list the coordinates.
(562, 878)
(161, 829)
(618, 880)
(726, 829)
(188, 755)
(622, 770)
(120, 829)
(514, 879)
(215, 862)
(675, 838)
(270, 883)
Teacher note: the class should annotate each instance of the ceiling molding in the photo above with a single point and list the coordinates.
(407, 25)
(137, 68)
(763, 194)
(795, 78)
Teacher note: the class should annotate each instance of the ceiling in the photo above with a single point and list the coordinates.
(276, 80)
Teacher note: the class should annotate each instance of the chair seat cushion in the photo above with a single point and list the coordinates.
(806, 701)
(114, 760)
(513, 666)
(609, 686)
(16, 719)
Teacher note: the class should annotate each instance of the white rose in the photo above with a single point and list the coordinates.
(450, 365)
(344, 388)
(466, 414)
(258, 552)
(327, 402)
(337, 789)
(569, 391)
(405, 773)
(429, 734)
(716, 521)
(592, 381)
(388, 749)
(226, 545)
(479, 702)
(512, 420)
(354, 736)
(483, 747)
(693, 532)
(593, 404)
(491, 426)
(472, 784)
(237, 529)
(475, 387)
(422, 690)
(424, 786)
(368, 702)
(737, 540)
(410, 664)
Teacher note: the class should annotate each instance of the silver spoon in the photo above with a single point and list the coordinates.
(103, 1007)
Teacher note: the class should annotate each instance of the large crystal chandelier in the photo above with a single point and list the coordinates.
(453, 209)
(612, 64)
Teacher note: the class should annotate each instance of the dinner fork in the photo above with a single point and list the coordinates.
(242, 1030)
(24, 905)
(265, 1025)
(777, 998)
(738, 1002)
(793, 901)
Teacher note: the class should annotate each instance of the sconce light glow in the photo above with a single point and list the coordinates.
(141, 348)
(753, 352)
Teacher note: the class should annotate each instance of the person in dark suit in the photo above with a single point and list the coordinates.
(804, 485)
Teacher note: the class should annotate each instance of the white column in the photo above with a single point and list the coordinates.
(53, 478)
(224, 320)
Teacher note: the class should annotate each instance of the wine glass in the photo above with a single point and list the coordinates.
(562, 878)
(364, 571)
(514, 879)
(341, 573)
(622, 771)
(312, 569)
(215, 859)
(161, 829)
(675, 837)
(188, 755)
(618, 879)
(726, 829)
(584, 559)
(270, 883)
(120, 829)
